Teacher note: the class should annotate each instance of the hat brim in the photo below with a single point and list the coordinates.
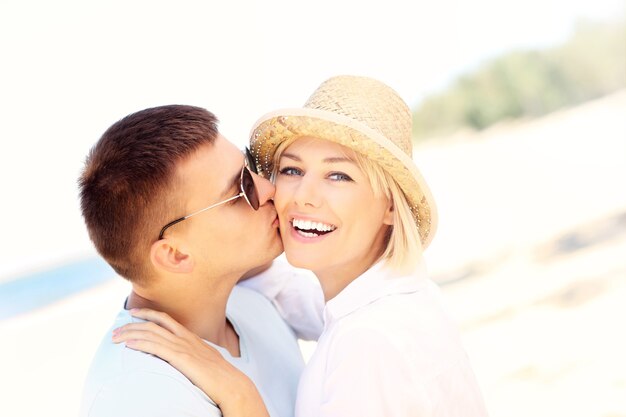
(275, 127)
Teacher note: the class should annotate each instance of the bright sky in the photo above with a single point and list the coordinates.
(71, 68)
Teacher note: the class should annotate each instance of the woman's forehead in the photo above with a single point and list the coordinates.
(307, 144)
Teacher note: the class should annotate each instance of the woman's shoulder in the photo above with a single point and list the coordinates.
(411, 324)
(419, 311)
(421, 352)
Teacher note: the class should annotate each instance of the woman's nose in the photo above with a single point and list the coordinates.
(306, 193)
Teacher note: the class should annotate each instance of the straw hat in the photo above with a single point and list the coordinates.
(364, 115)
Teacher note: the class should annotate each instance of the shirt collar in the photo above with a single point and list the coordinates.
(377, 282)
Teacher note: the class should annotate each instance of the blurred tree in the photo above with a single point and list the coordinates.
(530, 83)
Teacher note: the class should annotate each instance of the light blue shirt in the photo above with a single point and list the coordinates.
(123, 382)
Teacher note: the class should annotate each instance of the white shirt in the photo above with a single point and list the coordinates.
(297, 295)
(388, 350)
(123, 382)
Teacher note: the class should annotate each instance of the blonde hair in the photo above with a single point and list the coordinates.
(403, 247)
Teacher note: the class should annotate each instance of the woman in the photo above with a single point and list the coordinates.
(354, 209)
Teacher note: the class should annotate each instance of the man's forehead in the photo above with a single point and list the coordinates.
(232, 158)
(217, 166)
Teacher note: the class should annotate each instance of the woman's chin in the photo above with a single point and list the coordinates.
(302, 260)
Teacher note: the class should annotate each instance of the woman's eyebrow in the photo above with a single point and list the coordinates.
(291, 156)
(330, 159)
(338, 159)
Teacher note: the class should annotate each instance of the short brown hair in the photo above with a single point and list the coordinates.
(127, 184)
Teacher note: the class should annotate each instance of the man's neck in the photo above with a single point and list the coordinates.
(201, 310)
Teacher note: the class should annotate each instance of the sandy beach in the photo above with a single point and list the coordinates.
(529, 255)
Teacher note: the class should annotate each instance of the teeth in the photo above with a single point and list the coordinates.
(309, 225)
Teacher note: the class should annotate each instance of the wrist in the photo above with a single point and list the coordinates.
(243, 400)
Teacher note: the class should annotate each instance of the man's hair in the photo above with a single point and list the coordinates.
(402, 247)
(128, 185)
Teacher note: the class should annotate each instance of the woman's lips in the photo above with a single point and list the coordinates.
(310, 235)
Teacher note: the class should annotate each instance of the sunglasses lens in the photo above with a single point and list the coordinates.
(251, 162)
(249, 189)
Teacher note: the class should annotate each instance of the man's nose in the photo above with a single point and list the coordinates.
(264, 188)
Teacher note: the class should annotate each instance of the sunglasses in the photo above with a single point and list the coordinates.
(247, 190)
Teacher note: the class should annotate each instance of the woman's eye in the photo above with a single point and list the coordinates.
(290, 171)
(339, 176)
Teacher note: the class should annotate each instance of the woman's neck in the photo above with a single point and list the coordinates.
(334, 280)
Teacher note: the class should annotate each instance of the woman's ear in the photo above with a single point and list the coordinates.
(166, 255)
(388, 217)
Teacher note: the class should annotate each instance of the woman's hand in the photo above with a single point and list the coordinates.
(205, 367)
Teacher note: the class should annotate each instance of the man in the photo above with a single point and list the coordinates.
(177, 210)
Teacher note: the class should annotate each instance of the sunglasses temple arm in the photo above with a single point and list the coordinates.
(170, 224)
(214, 205)
(241, 194)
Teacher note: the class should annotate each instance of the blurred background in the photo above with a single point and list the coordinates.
(520, 129)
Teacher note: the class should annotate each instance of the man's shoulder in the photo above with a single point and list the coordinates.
(115, 359)
(122, 381)
(143, 393)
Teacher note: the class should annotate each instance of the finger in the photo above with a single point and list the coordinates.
(183, 358)
(163, 351)
(162, 319)
(142, 334)
(179, 347)
(168, 346)
(146, 327)
(204, 370)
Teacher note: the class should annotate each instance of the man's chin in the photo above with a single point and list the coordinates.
(273, 249)
(277, 248)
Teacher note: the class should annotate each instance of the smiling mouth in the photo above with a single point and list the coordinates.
(308, 228)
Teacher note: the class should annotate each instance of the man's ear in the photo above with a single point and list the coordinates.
(167, 255)
(388, 217)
